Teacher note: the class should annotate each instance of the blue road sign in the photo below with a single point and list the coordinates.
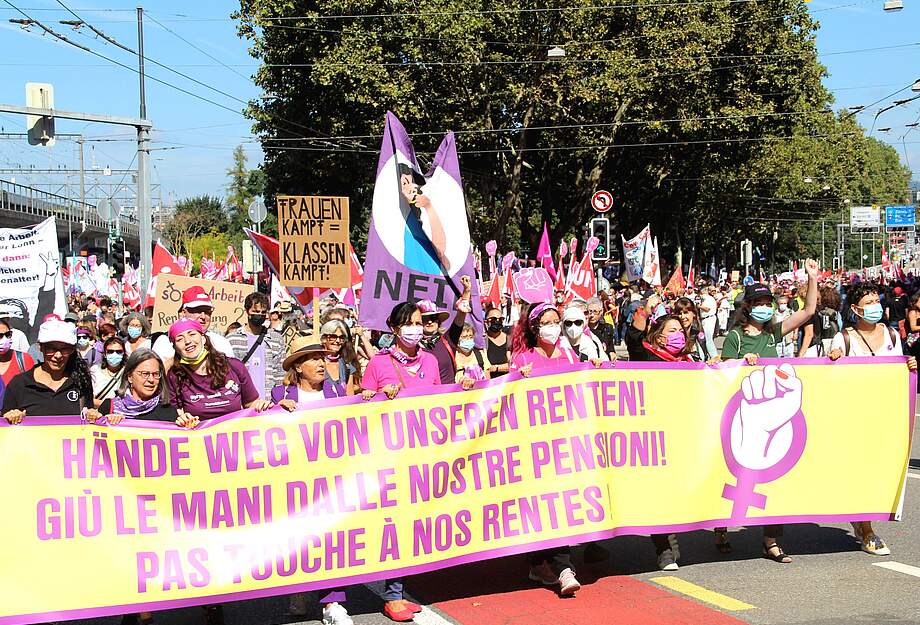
(899, 216)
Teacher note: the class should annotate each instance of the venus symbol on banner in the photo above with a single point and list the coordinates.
(763, 434)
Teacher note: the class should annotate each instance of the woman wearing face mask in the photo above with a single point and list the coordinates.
(757, 335)
(12, 362)
(106, 374)
(912, 322)
(471, 363)
(60, 385)
(341, 361)
(588, 347)
(86, 347)
(786, 349)
(137, 330)
(685, 310)
(204, 383)
(645, 315)
(402, 365)
(496, 342)
(870, 336)
(666, 342)
(535, 343)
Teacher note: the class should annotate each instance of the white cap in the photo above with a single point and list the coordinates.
(57, 331)
(573, 313)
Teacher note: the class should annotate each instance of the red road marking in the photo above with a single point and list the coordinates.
(497, 592)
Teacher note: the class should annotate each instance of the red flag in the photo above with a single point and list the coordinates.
(560, 277)
(163, 262)
(676, 283)
(583, 285)
(494, 296)
(271, 252)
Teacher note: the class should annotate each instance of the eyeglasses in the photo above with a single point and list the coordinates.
(50, 350)
(6, 335)
(569, 323)
(149, 375)
(334, 338)
(593, 312)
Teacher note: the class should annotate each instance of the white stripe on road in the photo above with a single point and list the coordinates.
(900, 568)
(916, 476)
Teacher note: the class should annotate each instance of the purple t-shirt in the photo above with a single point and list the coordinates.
(202, 400)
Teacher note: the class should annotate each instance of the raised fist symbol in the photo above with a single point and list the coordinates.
(762, 432)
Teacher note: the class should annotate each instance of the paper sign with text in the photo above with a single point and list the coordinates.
(313, 235)
(227, 297)
(145, 516)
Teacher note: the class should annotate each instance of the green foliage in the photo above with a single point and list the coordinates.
(696, 116)
(212, 244)
(193, 218)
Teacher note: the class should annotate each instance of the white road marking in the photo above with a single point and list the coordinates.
(913, 475)
(900, 568)
(426, 617)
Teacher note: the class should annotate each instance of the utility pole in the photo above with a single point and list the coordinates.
(143, 180)
(822, 245)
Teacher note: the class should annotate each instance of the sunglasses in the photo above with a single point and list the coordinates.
(115, 351)
(571, 323)
(6, 335)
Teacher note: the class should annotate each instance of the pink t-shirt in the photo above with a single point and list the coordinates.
(521, 359)
(381, 371)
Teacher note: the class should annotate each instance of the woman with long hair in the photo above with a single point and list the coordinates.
(107, 373)
(60, 385)
(343, 371)
(689, 315)
(496, 341)
(757, 335)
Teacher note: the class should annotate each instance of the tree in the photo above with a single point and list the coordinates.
(193, 218)
(678, 109)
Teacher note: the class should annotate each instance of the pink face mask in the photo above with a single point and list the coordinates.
(5, 345)
(676, 343)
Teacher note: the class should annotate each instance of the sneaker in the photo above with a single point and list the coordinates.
(666, 561)
(298, 604)
(874, 545)
(595, 552)
(543, 574)
(335, 614)
(568, 585)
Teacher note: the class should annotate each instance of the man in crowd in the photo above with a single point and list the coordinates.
(261, 348)
(600, 328)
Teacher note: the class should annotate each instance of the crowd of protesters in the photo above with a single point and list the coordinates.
(109, 369)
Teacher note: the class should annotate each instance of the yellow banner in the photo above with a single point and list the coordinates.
(355, 491)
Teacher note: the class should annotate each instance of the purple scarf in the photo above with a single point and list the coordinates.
(133, 408)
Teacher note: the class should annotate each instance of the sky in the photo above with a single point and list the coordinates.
(872, 57)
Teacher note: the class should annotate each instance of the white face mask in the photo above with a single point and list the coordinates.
(574, 332)
(550, 333)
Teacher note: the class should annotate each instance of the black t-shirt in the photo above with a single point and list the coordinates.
(897, 309)
(444, 350)
(604, 331)
(498, 354)
(24, 393)
(163, 412)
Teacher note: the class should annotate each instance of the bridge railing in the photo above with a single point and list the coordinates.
(42, 204)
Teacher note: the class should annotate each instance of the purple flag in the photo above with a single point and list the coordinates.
(418, 245)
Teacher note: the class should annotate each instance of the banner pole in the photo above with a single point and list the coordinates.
(315, 312)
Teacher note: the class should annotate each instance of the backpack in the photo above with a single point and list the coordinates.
(827, 324)
(846, 340)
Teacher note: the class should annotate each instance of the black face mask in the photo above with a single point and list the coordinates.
(256, 320)
(494, 325)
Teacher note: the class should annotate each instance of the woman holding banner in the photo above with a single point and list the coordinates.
(868, 337)
(204, 383)
(142, 392)
(403, 365)
(59, 386)
(106, 374)
(306, 376)
(689, 316)
(756, 335)
(535, 344)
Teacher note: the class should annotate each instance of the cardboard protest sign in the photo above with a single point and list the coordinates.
(313, 234)
(227, 297)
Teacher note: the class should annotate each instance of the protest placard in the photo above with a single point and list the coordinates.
(347, 491)
(227, 297)
(313, 234)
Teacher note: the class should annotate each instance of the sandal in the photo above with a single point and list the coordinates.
(779, 557)
(722, 543)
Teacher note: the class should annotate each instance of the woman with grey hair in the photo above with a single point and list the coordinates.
(136, 330)
(342, 367)
(142, 393)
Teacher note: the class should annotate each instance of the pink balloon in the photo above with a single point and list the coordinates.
(592, 244)
(491, 248)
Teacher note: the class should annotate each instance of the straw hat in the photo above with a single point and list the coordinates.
(300, 347)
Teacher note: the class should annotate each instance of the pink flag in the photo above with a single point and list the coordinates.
(545, 253)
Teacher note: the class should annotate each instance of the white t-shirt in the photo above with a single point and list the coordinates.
(859, 348)
(102, 377)
(709, 302)
(590, 346)
(164, 347)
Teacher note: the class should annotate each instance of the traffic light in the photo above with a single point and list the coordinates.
(600, 228)
(118, 257)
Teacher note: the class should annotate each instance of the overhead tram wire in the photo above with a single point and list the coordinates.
(128, 49)
(213, 58)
